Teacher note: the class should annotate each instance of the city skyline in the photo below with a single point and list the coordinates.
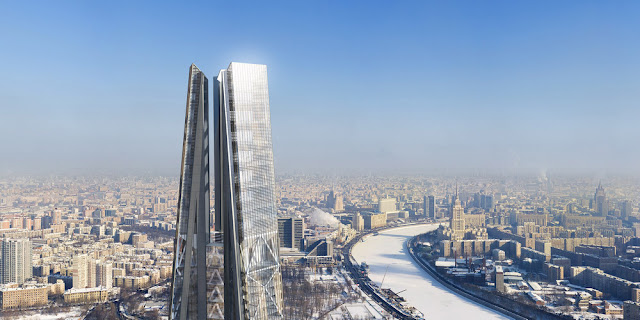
(497, 86)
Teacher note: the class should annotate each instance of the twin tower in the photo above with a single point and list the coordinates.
(227, 268)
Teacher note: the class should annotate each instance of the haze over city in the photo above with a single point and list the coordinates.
(334, 160)
(365, 87)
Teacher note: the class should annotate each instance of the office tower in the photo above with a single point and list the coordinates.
(387, 205)
(425, 206)
(477, 200)
(432, 207)
(488, 202)
(245, 198)
(626, 209)
(291, 232)
(15, 263)
(600, 201)
(188, 297)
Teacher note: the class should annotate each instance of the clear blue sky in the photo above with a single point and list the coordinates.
(366, 85)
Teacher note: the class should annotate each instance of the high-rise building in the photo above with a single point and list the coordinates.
(15, 262)
(626, 209)
(245, 240)
(291, 232)
(600, 201)
(457, 219)
(80, 271)
(487, 202)
(188, 297)
(246, 211)
(430, 207)
(425, 206)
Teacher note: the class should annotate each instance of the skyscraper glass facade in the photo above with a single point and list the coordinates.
(245, 193)
(189, 285)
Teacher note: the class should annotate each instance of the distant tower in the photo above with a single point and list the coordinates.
(15, 261)
(432, 207)
(600, 201)
(457, 218)
(338, 204)
(425, 206)
(331, 198)
(626, 209)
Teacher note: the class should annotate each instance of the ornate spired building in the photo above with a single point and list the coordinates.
(457, 220)
(245, 198)
(600, 204)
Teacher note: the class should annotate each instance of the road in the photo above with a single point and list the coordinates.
(387, 251)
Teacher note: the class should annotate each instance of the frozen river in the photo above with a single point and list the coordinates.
(422, 291)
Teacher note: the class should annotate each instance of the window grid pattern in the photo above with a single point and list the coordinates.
(254, 183)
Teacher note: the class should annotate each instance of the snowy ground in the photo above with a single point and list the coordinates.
(73, 313)
(387, 250)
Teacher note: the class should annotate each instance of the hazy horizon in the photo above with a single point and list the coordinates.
(409, 87)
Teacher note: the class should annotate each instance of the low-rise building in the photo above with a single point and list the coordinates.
(14, 297)
(88, 295)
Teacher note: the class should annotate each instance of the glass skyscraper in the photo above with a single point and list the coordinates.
(234, 271)
(246, 210)
(188, 298)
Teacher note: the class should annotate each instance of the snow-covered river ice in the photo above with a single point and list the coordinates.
(387, 250)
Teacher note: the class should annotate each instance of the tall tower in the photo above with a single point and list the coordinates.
(425, 207)
(432, 207)
(457, 218)
(601, 205)
(245, 196)
(188, 298)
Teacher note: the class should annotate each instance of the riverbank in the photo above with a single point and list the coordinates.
(386, 253)
(504, 305)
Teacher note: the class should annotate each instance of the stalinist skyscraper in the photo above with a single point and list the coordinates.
(232, 272)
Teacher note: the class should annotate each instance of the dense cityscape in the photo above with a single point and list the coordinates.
(334, 160)
(565, 244)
